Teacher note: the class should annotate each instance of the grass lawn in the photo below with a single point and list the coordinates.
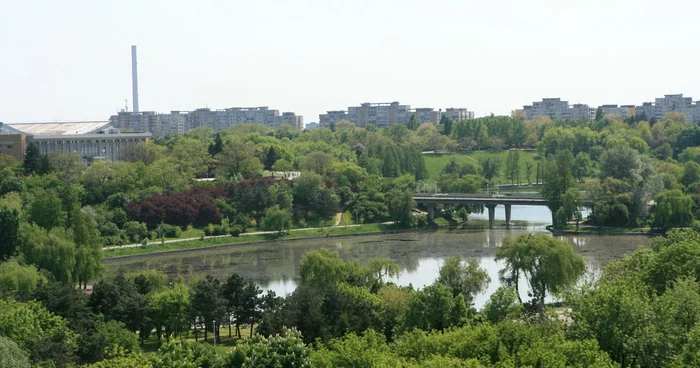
(223, 345)
(436, 162)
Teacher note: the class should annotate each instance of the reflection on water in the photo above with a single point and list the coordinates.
(275, 266)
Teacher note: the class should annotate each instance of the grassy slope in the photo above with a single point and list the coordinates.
(435, 163)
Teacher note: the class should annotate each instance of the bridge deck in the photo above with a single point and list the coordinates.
(450, 198)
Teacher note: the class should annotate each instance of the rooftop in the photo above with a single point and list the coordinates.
(72, 128)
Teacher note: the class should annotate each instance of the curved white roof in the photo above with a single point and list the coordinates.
(59, 128)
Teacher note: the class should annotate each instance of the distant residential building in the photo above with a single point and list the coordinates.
(581, 112)
(312, 125)
(645, 112)
(674, 103)
(91, 140)
(178, 122)
(457, 114)
(555, 108)
(383, 115)
(172, 124)
(329, 117)
(426, 115)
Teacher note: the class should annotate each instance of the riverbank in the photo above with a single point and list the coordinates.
(260, 239)
(596, 230)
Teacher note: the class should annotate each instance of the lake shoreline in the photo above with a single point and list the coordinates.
(604, 232)
(285, 240)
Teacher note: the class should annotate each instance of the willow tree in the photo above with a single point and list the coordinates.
(549, 265)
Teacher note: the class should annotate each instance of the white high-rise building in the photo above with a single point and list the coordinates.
(457, 114)
(674, 103)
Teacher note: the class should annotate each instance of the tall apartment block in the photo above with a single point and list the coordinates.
(178, 122)
(383, 115)
(555, 108)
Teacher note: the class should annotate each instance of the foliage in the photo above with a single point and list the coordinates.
(549, 265)
(467, 279)
(19, 281)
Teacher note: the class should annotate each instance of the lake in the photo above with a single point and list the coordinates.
(275, 266)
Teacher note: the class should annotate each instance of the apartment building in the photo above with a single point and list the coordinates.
(581, 112)
(675, 103)
(458, 113)
(426, 115)
(555, 108)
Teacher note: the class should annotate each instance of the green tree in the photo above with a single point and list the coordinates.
(318, 162)
(502, 305)
(46, 210)
(217, 146)
(446, 122)
(276, 219)
(570, 208)
(558, 179)
(583, 166)
(599, 114)
(528, 172)
(206, 304)
(513, 167)
(465, 278)
(491, 167)
(672, 208)
(270, 158)
(412, 123)
(11, 355)
(238, 158)
(691, 173)
(549, 265)
(430, 309)
(32, 159)
(9, 231)
(171, 309)
(19, 281)
(401, 206)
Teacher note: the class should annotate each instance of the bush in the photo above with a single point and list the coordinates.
(215, 230)
(422, 221)
(135, 231)
(235, 230)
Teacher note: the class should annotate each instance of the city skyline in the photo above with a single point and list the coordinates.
(70, 61)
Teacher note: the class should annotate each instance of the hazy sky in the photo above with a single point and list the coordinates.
(70, 60)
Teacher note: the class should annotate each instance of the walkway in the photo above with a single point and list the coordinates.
(338, 218)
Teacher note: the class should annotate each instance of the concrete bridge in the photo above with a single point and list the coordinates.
(489, 201)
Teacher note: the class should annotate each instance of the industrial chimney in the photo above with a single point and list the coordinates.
(134, 80)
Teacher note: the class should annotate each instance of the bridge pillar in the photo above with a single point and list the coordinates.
(507, 216)
(431, 211)
(492, 214)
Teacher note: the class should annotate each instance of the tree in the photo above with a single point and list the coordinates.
(276, 219)
(528, 172)
(238, 158)
(19, 281)
(491, 167)
(558, 179)
(270, 158)
(621, 162)
(467, 279)
(32, 159)
(9, 231)
(11, 355)
(412, 123)
(46, 210)
(318, 162)
(672, 208)
(502, 305)
(171, 309)
(282, 165)
(217, 146)
(599, 114)
(431, 309)
(691, 173)
(232, 293)
(206, 303)
(549, 265)
(513, 167)
(583, 166)
(571, 207)
(401, 206)
(447, 124)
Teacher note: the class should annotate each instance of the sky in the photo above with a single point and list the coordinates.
(70, 60)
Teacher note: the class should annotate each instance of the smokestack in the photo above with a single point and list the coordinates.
(134, 80)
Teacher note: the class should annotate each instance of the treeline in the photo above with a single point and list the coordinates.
(643, 311)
